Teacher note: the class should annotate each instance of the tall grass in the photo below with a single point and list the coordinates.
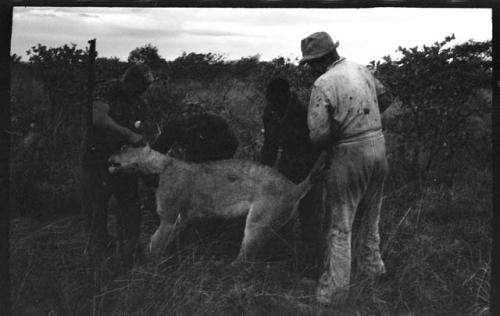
(435, 242)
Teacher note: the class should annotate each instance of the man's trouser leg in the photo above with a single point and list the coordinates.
(370, 261)
(94, 198)
(348, 178)
(129, 215)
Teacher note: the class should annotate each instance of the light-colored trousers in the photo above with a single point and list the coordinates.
(354, 183)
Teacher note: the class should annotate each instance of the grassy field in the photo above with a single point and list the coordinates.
(435, 242)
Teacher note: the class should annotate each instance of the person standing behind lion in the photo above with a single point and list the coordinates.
(344, 118)
(118, 109)
(285, 128)
(194, 134)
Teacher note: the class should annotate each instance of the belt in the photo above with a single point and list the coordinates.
(361, 137)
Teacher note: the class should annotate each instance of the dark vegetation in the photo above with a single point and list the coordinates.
(435, 224)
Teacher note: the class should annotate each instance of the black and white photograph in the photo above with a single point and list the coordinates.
(250, 161)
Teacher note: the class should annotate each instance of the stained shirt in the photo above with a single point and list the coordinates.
(343, 105)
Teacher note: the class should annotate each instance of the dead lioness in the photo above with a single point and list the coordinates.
(226, 188)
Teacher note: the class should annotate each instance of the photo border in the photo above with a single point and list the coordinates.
(6, 13)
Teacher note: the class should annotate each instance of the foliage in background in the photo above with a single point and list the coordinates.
(442, 93)
(441, 123)
(107, 68)
(15, 59)
(147, 54)
(195, 66)
(52, 123)
(62, 71)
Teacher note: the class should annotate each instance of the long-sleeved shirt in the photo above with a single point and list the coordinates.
(343, 105)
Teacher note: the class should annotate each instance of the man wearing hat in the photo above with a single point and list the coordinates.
(344, 119)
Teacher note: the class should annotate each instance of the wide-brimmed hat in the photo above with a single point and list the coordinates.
(316, 46)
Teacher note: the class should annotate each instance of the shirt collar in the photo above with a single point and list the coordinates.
(341, 59)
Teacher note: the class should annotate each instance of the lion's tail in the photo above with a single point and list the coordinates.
(315, 175)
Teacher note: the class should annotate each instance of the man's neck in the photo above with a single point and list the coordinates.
(335, 62)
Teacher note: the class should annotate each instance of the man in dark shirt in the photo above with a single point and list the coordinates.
(118, 109)
(285, 128)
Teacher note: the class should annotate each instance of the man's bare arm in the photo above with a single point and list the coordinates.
(100, 118)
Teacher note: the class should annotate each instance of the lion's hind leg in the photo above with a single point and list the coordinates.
(261, 224)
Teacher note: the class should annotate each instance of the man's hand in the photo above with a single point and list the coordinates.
(102, 119)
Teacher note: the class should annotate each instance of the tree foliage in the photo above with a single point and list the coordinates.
(50, 148)
(62, 72)
(147, 54)
(196, 66)
(107, 68)
(440, 89)
(14, 58)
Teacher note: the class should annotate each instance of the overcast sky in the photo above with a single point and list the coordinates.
(364, 34)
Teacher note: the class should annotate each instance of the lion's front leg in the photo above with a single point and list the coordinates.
(167, 231)
(162, 238)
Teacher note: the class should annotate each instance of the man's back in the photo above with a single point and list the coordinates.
(351, 94)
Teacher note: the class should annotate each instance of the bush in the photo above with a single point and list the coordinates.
(48, 116)
(441, 91)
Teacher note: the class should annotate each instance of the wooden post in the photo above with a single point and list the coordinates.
(90, 85)
(5, 36)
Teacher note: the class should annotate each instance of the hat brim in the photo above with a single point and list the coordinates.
(307, 59)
